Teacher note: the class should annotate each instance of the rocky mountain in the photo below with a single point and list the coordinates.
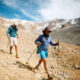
(69, 33)
(62, 30)
(63, 62)
(55, 24)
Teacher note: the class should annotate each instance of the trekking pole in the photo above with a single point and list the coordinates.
(8, 44)
(58, 47)
(58, 60)
(31, 55)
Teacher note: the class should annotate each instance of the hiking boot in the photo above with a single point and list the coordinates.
(10, 52)
(17, 56)
(34, 69)
(50, 77)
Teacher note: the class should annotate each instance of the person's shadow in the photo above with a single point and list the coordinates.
(2, 51)
(25, 66)
(46, 79)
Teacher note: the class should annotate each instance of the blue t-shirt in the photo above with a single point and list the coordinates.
(12, 32)
(44, 42)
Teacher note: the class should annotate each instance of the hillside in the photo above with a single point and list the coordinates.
(69, 35)
(63, 64)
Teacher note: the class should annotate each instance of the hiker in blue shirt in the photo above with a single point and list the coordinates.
(43, 42)
(12, 36)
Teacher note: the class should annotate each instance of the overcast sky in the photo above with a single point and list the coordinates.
(40, 10)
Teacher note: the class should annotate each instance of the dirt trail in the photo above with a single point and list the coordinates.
(60, 64)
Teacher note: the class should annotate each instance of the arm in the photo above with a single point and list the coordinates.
(38, 41)
(53, 44)
(17, 35)
(8, 32)
(17, 32)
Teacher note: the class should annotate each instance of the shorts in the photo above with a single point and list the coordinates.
(13, 41)
(44, 54)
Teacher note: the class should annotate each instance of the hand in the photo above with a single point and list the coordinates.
(8, 37)
(58, 43)
(17, 36)
(38, 44)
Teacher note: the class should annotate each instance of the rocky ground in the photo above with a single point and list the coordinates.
(63, 64)
(68, 35)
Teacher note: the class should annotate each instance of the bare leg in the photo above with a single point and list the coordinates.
(16, 51)
(40, 61)
(45, 66)
(11, 49)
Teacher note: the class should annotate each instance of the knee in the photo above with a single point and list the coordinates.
(44, 62)
(16, 46)
(40, 60)
(11, 46)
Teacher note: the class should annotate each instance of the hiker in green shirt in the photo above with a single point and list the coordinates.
(12, 36)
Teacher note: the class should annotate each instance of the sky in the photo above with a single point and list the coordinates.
(40, 10)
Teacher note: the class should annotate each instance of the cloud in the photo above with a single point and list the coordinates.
(60, 9)
(17, 4)
(29, 15)
(11, 3)
(42, 10)
(17, 16)
(23, 7)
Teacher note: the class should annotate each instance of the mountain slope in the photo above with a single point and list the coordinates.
(62, 65)
(68, 35)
